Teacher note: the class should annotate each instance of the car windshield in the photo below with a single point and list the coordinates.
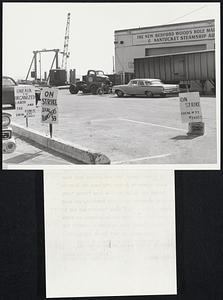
(7, 81)
(133, 82)
(99, 73)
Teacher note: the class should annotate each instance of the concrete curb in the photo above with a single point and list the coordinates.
(71, 150)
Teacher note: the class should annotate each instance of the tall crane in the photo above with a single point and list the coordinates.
(66, 43)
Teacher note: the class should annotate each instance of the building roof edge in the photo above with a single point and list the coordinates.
(166, 25)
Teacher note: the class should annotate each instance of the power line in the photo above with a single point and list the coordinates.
(188, 13)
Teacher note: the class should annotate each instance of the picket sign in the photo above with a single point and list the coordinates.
(49, 108)
(191, 113)
(25, 101)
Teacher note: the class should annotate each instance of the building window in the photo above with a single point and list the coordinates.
(134, 82)
(176, 49)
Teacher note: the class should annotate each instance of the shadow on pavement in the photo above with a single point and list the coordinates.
(22, 157)
(184, 137)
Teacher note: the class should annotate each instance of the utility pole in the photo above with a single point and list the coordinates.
(113, 64)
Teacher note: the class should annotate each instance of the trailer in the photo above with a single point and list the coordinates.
(195, 69)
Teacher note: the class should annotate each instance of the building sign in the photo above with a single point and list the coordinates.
(174, 36)
(25, 100)
(49, 105)
(190, 107)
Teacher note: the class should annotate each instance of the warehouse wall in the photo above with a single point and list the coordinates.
(178, 49)
(157, 40)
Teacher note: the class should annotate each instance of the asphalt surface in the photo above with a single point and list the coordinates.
(132, 130)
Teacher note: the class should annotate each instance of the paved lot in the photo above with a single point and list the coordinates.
(28, 154)
(133, 130)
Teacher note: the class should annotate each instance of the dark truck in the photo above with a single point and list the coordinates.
(95, 82)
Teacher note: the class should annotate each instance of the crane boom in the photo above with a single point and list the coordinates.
(66, 43)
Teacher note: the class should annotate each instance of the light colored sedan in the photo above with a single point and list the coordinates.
(147, 87)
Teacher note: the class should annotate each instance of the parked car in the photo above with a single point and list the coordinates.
(147, 87)
(8, 85)
(8, 141)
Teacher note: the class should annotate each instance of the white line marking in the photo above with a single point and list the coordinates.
(102, 120)
(152, 124)
(141, 158)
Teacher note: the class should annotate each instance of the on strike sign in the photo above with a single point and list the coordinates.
(25, 100)
(190, 107)
(49, 105)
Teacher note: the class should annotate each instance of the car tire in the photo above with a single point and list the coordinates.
(119, 93)
(163, 95)
(149, 94)
(100, 91)
(73, 89)
(93, 89)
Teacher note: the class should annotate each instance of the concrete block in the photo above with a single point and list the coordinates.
(77, 152)
(196, 128)
(30, 134)
(71, 150)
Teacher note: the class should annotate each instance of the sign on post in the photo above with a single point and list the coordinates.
(25, 101)
(190, 107)
(49, 105)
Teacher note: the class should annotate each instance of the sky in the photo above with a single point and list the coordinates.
(34, 26)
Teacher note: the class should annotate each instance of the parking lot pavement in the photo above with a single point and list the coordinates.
(133, 130)
(28, 154)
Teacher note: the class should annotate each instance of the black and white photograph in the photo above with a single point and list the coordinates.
(111, 180)
(120, 84)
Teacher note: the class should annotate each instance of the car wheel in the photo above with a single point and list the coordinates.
(149, 94)
(119, 93)
(100, 91)
(93, 89)
(73, 89)
(163, 95)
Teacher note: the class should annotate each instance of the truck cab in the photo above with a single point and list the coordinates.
(94, 82)
(95, 76)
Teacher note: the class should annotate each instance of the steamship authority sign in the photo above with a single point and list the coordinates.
(171, 36)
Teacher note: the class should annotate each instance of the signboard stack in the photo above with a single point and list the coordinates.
(25, 101)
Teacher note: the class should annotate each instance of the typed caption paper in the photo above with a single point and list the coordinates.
(109, 232)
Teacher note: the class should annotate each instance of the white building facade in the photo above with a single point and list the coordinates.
(161, 40)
